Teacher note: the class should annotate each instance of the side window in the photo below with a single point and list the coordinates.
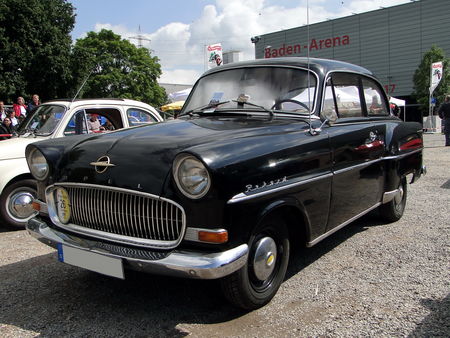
(137, 117)
(77, 124)
(375, 102)
(342, 96)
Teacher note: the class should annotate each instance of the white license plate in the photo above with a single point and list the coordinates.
(92, 261)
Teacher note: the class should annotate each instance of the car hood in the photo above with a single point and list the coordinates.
(143, 156)
(15, 147)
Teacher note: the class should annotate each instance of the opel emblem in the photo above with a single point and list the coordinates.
(102, 164)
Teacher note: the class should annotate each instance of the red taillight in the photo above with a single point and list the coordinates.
(412, 144)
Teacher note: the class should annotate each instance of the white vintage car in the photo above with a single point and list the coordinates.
(59, 118)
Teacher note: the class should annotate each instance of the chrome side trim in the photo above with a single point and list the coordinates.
(244, 197)
(332, 231)
(176, 263)
(394, 157)
(389, 195)
(357, 166)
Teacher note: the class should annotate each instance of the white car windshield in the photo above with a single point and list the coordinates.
(278, 88)
(43, 120)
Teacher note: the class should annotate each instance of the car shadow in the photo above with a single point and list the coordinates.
(301, 257)
(51, 298)
(47, 297)
(437, 322)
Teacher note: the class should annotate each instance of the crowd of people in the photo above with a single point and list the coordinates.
(10, 118)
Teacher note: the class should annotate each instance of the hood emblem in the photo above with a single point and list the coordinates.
(102, 164)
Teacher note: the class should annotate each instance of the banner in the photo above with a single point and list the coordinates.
(214, 55)
(436, 75)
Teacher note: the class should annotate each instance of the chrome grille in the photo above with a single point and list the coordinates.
(121, 215)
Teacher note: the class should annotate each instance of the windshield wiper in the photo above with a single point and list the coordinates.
(239, 102)
(207, 106)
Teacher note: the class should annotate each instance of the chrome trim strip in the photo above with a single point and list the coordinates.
(389, 195)
(177, 263)
(332, 231)
(243, 197)
(357, 166)
(393, 157)
(126, 217)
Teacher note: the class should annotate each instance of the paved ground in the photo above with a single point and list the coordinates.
(368, 279)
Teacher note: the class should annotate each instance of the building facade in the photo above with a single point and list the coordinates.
(390, 41)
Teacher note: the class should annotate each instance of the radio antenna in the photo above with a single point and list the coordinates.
(81, 87)
(307, 58)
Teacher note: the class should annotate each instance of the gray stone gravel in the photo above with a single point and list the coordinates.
(367, 280)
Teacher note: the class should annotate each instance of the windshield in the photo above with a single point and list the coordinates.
(43, 120)
(276, 88)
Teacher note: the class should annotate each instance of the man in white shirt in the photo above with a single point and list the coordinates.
(94, 124)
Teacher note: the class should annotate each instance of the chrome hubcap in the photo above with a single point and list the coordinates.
(265, 258)
(20, 205)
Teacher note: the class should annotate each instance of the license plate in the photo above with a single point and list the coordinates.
(91, 261)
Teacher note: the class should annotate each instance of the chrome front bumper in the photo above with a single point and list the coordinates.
(177, 263)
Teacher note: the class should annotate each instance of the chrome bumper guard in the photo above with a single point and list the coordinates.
(177, 263)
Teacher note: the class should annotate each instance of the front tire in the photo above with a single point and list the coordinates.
(393, 210)
(15, 203)
(257, 282)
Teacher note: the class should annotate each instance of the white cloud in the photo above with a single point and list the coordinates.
(180, 47)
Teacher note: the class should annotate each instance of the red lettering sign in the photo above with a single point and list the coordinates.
(285, 50)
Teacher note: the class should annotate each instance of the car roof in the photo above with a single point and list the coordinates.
(99, 101)
(315, 64)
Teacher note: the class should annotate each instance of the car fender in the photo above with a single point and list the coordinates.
(11, 169)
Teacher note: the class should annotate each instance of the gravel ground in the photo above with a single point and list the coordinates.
(368, 279)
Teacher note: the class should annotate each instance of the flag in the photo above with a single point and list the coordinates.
(436, 75)
(214, 55)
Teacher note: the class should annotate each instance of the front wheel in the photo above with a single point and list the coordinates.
(16, 203)
(257, 282)
(393, 210)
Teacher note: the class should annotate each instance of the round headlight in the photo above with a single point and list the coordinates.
(191, 176)
(38, 165)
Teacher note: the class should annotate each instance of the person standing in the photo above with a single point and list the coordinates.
(34, 103)
(2, 110)
(20, 107)
(444, 114)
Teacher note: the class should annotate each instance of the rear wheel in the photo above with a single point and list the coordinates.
(393, 210)
(16, 203)
(257, 282)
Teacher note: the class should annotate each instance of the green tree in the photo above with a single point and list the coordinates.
(117, 68)
(35, 48)
(422, 78)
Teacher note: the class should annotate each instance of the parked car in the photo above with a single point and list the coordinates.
(265, 154)
(55, 119)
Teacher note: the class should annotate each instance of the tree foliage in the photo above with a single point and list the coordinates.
(422, 78)
(116, 68)
(35, 48)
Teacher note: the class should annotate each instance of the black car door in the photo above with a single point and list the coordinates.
(357, 147)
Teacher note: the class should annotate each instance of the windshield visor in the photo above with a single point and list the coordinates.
(43, 120)
(278, 88)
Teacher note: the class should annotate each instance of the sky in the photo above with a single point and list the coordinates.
(178, 31)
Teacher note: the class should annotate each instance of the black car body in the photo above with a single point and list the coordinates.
(262, 156)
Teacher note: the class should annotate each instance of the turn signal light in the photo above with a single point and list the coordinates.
(36, 206)
(213, 237)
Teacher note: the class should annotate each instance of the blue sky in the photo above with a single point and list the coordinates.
(178, 30)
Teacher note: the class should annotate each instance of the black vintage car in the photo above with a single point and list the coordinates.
(265, 154)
